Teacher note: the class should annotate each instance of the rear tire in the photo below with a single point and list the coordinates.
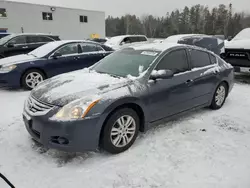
(120, 131)
(31, 78)
(220, 96)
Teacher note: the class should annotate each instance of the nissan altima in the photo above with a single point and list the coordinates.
(106, 105)
(28, 70)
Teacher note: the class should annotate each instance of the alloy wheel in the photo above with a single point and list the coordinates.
(220, 95)
(123, 131)
(33, 79)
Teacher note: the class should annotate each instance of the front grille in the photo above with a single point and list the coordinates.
(36, 106)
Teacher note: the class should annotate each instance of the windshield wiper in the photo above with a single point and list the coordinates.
(113, 75)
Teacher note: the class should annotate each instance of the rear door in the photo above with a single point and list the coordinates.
(37, 41)
(91, 54)
(20, 46)
(205, 75)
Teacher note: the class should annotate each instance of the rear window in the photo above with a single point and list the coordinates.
(199, 58)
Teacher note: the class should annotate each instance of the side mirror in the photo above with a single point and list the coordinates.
(10, 45)
(161, 74)
(229, 38)
(122, 43)
(56, 55)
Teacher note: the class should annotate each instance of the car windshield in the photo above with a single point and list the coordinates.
(126, 62)
(45, 49)
(244, 34)
(5, 39)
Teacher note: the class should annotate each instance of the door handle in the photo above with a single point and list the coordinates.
(76, 58)
(25, 47)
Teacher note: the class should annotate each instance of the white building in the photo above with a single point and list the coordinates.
(16, 17)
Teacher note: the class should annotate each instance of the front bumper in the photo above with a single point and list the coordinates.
(11, 79)
(79, 136)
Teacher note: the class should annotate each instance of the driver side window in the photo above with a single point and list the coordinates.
(68, 49)
(175, 61)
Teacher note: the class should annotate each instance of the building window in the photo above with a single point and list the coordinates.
(3, 13)
(83, 19)
(47, 16)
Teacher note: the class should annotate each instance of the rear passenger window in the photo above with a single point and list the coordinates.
(213, 59)
(45, 39)
(89, 48)
(99, 48)
(32, 39)
(175, 61)
(141, 39)
(199, 58)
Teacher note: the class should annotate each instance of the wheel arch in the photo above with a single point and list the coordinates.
(32, 68)
(126, 103)
(227, 84)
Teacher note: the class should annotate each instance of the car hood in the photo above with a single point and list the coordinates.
(238, 44)
(68, 87)
(17, 59)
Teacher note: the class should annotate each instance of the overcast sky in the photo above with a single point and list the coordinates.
(139, 7)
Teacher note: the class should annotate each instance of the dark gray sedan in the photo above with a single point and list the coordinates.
(126, 92)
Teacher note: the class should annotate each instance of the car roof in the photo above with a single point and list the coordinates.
(154, 46)
(163, 46)
(176, 38)
(38, 34)
(61, 42)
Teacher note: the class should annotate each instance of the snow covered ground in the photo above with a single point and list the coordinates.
(204, 149)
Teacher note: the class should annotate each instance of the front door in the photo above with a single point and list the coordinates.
(66, 62)
(174, 95)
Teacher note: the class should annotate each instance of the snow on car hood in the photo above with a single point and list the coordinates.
(16, 59)
(68, 87)
(241, 44)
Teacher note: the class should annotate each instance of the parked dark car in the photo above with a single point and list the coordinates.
(208, 42)
(3, 35)
(126, 92)
(51, 59)
(15, 44)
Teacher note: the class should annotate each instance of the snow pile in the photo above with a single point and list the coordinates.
(203, 149)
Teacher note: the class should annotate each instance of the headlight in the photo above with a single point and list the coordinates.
(6, 69)
(74, 111)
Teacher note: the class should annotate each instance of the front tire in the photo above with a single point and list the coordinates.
(120, 131)
(220, 96)
(32, 78)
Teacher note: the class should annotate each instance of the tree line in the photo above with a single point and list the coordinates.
(219, 20)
